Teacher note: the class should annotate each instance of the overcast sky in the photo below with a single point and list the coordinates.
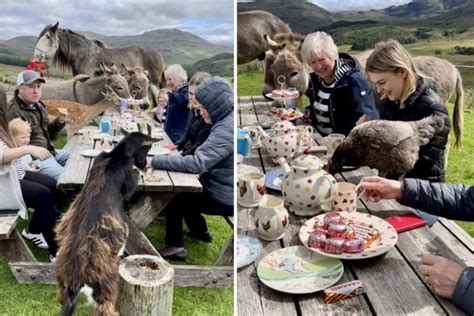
(349, 5)
(209, 19)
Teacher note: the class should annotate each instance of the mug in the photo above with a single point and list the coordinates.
(346, 197)
(306, 135)
(88, 135)
(271, 218)
(243, 142)
(254, 136)
(332, 141)
(251, 189)
(105, 125)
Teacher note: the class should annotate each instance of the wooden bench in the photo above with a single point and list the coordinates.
(8, 222)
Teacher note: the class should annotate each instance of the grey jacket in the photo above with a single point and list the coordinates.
(453, 201)
(214, 159)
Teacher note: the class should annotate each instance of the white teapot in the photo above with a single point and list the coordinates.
(307, 188)
(271, 218)
(284, 141)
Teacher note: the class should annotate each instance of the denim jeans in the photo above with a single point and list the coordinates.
(53, 166)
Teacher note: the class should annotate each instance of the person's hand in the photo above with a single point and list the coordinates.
(364, 118)
(307, 113)
(441, 273)
(39, 152)
(62, 116)
(377, 188)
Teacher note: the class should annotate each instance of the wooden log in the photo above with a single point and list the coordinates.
(146, 286)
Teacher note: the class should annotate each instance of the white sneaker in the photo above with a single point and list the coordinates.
(37, 239)
(53, 259)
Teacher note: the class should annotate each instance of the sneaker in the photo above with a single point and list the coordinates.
(205, 237)
(174, 253)
(37, 239)
(52, 258)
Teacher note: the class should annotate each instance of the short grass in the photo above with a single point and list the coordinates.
(16, 299)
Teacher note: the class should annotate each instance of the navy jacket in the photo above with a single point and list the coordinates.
(351, 98)
(197, 133)
(453, 201)
(214, 159)
(422, 103)
(177, 113)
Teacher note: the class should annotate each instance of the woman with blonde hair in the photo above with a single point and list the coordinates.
(407, 97)
(338, 92)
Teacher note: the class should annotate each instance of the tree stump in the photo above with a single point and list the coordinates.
(146, 286)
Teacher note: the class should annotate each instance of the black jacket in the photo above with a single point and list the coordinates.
(420, 104)
(197, 133)
(453, 201)
(351, 98)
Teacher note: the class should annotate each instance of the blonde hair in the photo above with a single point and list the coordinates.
(391, 57)
(17, 125)
(318, 44)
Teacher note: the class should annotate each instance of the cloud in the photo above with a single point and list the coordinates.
(118, 17)
(349, 5)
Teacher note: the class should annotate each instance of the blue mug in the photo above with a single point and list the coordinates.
(105, 125)
(243, 142)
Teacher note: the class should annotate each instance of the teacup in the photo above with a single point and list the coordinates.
(332, 141)
(271, 218)
(346, 197)
(254, 136)
(306, 135)
(251, 189)
(88, 135)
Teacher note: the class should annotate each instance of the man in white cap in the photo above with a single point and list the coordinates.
(26, 105)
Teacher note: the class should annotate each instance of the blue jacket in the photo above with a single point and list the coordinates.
(453, 201)
(214, 159)
(177, 113)
(351, 98)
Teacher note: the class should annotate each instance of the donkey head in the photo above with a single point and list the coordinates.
(138, 81)
(283, 63)
(47, 43)
(115, 83)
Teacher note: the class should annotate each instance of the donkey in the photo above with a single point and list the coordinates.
(251, 26)
(284, 59)
(72, 50)
(87, 90)
(92, 234)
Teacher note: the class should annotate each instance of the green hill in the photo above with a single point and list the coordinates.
(218, 65)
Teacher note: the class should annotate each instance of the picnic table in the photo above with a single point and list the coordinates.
(152, 198)
(393, 282)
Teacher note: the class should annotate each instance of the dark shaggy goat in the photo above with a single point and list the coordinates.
(92, 233)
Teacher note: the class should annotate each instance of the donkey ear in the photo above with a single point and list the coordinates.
(54, 28)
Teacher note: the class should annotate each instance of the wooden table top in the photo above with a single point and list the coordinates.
(77, 168)
(393, 282)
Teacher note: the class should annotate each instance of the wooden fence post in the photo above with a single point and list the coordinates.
(146, 286)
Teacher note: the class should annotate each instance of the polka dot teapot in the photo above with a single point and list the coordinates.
(306, 187)
(285, 140)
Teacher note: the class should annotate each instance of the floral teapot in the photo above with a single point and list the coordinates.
(285, 140)
(307, 188)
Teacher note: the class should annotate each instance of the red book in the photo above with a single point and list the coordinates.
(406, 222)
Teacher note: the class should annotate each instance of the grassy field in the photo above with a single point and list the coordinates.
(460, 167)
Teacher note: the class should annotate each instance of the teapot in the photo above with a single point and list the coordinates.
(271, 218)
(306, 187)
(284, 141)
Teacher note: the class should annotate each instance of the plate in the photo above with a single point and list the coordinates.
(157, 150)
(91, 153)
(297, 270)
(388, 235)
(244, 169)
(269, 95)
(248, 249)
(273, 179)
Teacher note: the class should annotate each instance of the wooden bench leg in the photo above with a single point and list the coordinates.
(144, 211)
(16, 249)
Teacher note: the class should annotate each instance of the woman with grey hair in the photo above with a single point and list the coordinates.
(198, 129)
(338, 92)
(177, 112)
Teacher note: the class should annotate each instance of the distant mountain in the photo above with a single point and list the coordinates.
(219, 65)
(176, 46)
(424, 8)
